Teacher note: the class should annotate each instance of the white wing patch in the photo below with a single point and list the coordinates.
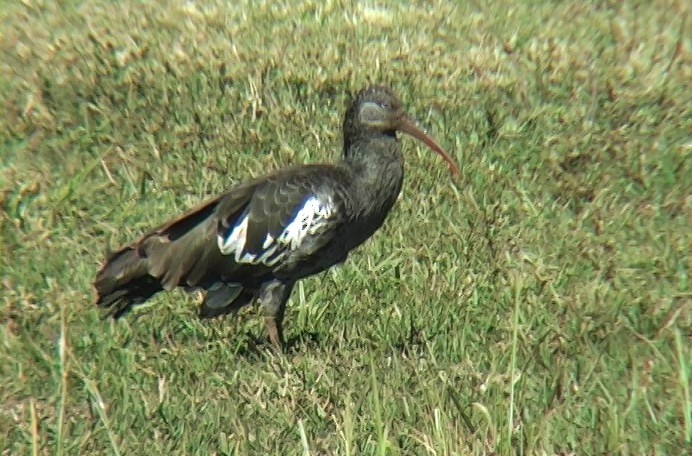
(268, 241)
(234, 243)
(308, 221)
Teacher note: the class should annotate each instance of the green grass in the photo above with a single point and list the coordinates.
(541, 304)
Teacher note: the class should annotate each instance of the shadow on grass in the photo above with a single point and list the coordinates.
(254, 347)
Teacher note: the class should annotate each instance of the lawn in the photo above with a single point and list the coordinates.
(538, 304)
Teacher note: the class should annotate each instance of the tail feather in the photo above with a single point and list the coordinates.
(182, 252)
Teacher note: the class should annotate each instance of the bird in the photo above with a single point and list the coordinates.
(253, 242)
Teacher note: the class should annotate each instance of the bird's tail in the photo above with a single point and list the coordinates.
(182, 252)
(125, 281)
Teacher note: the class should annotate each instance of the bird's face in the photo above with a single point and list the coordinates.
(379, 109)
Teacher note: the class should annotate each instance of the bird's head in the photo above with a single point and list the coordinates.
(377, 110)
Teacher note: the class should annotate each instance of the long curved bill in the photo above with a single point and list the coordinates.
(408, 126)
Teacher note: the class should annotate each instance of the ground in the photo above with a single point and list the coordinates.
(539, 304)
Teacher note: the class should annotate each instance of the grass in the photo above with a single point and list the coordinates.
(538, 305)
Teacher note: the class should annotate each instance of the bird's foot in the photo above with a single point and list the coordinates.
(275, 332)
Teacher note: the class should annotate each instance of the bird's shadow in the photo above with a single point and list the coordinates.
(306, 339)
(255, 347)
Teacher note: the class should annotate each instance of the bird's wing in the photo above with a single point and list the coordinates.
(245, 232)
(289, 215)
(183, 251)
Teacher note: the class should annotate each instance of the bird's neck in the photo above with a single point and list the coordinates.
(376, 166)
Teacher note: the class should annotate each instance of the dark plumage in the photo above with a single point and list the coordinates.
(256, 240)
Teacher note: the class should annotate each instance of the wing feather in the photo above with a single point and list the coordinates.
(289, 215)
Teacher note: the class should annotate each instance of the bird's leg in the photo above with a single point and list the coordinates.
(272, 298)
